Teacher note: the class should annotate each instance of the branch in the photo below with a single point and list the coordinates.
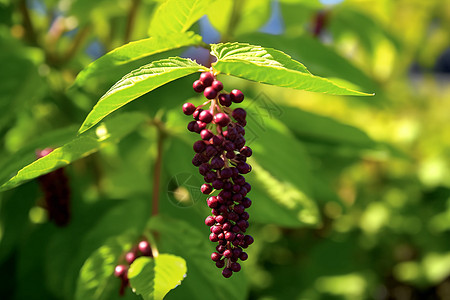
(30, 33)
(131, 19)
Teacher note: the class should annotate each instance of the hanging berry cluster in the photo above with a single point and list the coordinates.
(121, 271)
(221, 157)
(55, 186)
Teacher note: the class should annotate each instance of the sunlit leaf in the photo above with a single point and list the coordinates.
(137, 83)
(133, 51)
(271, 66)
(153, 278)
(177, 16)
(110, 132)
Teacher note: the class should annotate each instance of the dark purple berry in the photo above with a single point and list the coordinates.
(217, 184)
(220, 219)
(188, 108)
(213, 237)
(215, 256)
(227, 253)
(244, 216)
(236, 96)
(145, 248)
(239, 114)
(205, 116)
(220, 264)
(206, 189)
(235, 267)
(209, 221)
(192, 126)
(210, 93)
(216, 140)
(227, 272)
(120, 270)
(212, 202)
(206, 78)
(226, 173)
(246, 202)
(217, 85)
(198, 86)
(206, 134)
(248, 239)
(246, 151)
(225, 100)
(199, 146)
(196, 113)
(130, 257)
(243, 256)
(243, 168)
(217, 163)
(229, 236)
(221, 119)
(239, 209)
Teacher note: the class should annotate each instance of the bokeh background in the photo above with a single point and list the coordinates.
(379, 166)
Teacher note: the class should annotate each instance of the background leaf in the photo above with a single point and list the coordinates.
(109, 132)
(177, 16)
(154, 277)
(258, 64)
(113, 60)
(137, 83)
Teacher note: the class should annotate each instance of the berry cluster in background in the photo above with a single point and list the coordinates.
(121, 270)
(56, 189)
(221, 157)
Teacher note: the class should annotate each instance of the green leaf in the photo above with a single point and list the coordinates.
(109, 132)
(311, 127)
(177, 16)
(321, 59)
(137, 83)
(280, 183)
(134, 51)
(272, 67)
(9, 164)
(154, 277)
(96, 280)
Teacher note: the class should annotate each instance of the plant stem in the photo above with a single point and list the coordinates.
(157, 169)
(28, 24)
(131, 19)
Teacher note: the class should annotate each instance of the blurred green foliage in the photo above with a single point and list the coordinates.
(351, 196)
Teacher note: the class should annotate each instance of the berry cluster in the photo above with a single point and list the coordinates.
(221, 157)
(55, 186)
(121, 271)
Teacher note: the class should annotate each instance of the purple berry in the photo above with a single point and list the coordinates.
(248, 239)
(225, 100)
(220, 264)
(217, 85)
(227, 272)
(199, 146)
(221, 119)
(246, 151)
(196, 113)
(215, 256)
(209, 221)
(206, 134)
(145, 248)
(206, 189)
(198, 86)
(130, 257)
(227, 253)
(210, 92)
(235, 267)
(205, 116)
(236, 96)
(243, 256)
(206, 78)
(188, 108)
(239, 114)
(120, 270)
